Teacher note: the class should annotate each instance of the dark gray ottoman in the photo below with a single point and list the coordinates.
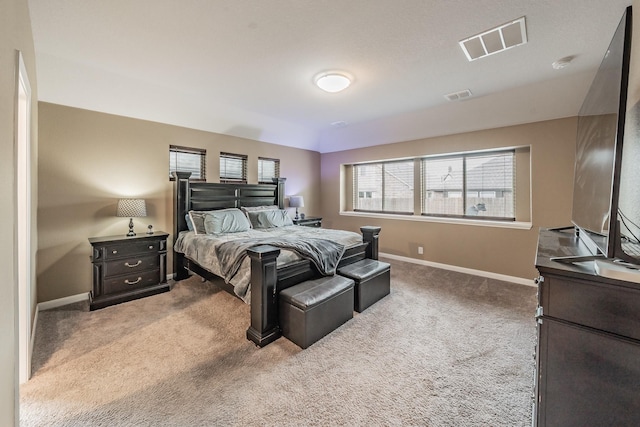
(373, 281)
(310, 310)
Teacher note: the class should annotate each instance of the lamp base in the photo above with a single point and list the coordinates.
(131, 233)
(296, 217)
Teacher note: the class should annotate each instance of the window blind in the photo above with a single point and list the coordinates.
(267, 170)
(233, 167)
(184, 159)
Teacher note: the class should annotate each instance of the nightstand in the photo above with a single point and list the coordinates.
(128, 268)
(308, 222)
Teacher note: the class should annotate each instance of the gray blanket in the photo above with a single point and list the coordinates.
(325, 254)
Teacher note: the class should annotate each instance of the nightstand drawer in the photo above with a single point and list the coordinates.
(131, 281)
(131, 265)
(112, 251)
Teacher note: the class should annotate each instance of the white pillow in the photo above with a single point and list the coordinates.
(270, 219)
(226, 221)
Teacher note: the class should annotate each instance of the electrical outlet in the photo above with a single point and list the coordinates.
(420, 250)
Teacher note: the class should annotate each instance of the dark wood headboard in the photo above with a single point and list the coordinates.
(207, 196)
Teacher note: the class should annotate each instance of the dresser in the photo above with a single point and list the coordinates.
(588, 351)
(127, 268)
(308, 222)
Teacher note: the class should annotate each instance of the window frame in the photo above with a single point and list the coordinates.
(464, 192)
(230, 157)
(276, 162)
(357, 190)
(201, 152)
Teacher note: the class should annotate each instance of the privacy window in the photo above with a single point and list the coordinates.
(470, 185)
(384, 187)
(233, 168)
(267, 170)
(184, 159)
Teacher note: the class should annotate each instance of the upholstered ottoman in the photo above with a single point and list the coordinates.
(372, 281)
(310, 310)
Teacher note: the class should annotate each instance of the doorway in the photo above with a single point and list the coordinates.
(23, 219)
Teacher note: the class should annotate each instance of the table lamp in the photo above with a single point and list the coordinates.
(131, 208)
(296, 202)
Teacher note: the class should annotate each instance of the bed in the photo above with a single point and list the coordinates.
(265, 269)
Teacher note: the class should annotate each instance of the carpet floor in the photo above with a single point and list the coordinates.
(443, 349)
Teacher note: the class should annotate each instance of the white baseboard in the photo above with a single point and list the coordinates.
(48, 305)
(481, 273)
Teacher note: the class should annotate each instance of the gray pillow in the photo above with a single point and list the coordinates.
(226, 221)
(197, 221)
(270, 219)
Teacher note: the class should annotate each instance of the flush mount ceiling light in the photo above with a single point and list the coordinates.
(562, 63)
(498, 39)
(332, 81)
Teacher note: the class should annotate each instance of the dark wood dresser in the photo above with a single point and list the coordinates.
(308, 222)
(127, 268)
(588, 353)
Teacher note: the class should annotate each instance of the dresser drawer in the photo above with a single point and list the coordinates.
(131, 265)
(596, 305)
(131, 281)
(113, 251)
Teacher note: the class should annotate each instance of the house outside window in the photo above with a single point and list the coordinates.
(185, 159)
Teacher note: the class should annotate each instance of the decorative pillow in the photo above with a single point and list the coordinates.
(247, 209)
(190, 226)
(197, 221)
(270, 219)
(226, 221)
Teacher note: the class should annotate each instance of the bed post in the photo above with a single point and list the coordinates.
(279, 191)
(370, 235)
(264, 302)
(181, 200)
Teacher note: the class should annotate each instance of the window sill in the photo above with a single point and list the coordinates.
(519, 225)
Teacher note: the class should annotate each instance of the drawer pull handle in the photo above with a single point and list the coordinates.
(115, 252)
(133, 265)
(132, 283)
(150, 246)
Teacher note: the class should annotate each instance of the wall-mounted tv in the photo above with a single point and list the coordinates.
(600, 137)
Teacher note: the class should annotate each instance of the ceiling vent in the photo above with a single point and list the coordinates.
(457, 96)
(495, 40)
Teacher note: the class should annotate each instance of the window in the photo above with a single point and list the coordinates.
(267, 170)
(233, 168)
(487, 180)
(384, 187)
(183, 159)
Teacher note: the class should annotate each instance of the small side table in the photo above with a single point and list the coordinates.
(128, 268)
(308, 222)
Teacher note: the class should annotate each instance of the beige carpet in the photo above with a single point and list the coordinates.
(444, 349)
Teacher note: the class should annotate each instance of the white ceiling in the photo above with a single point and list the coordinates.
(246, 67)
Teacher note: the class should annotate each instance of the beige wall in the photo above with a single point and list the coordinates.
(499, 250)
(15, 34)
(88, 160)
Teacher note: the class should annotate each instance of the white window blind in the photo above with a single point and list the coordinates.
(233, 167)
(384, 187)
(267, 170)
(184, 159)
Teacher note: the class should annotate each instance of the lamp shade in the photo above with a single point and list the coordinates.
(132, 208)
(296, 202)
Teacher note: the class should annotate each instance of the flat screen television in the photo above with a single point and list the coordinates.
(600, 137)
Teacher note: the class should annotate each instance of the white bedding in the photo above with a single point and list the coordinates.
(201, 249)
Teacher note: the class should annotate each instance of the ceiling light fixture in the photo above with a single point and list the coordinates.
(562, 63)
(332, 82)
